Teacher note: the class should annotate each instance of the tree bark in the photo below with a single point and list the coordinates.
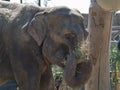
(6, 0)
(39, 2)
(21, 1)
(99, 26)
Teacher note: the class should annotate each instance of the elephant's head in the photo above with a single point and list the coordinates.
(60, 32)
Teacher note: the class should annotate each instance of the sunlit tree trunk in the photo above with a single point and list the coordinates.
(99, 26)
(6, 0)
(21, 1)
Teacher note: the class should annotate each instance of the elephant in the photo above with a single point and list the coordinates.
(33, 38)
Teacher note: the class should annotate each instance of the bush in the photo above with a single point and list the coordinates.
(115, 67)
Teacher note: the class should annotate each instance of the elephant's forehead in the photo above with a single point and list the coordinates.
(66, 19)
(69, 24)
(70, 28)
(65, 11)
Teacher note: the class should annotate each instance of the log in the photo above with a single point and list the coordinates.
(99, 26)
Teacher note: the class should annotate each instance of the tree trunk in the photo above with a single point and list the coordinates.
(21, 1)
(99, 26)
(39, 2)
(6, 0)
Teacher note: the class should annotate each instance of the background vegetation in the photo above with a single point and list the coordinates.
(115, 67)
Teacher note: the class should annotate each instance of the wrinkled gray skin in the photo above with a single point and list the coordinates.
(34, 38)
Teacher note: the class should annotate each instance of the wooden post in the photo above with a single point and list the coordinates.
(99, 26)
(21, 1)
(39, 2)
(6, 0)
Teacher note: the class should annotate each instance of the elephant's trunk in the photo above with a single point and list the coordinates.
(76, 74)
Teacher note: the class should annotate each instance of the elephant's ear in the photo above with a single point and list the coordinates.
(37, 27)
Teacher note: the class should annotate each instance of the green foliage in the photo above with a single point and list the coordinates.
(115, 58)
(57, 72)
(115, 67)
(58, 76)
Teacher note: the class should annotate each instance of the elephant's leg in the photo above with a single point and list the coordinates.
(27, 68)
(6, 73)
(47, 81)
(27, 77)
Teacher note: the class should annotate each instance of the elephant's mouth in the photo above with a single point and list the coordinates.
(63, 64)
(62, 52)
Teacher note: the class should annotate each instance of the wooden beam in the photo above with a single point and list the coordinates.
(99, 26)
